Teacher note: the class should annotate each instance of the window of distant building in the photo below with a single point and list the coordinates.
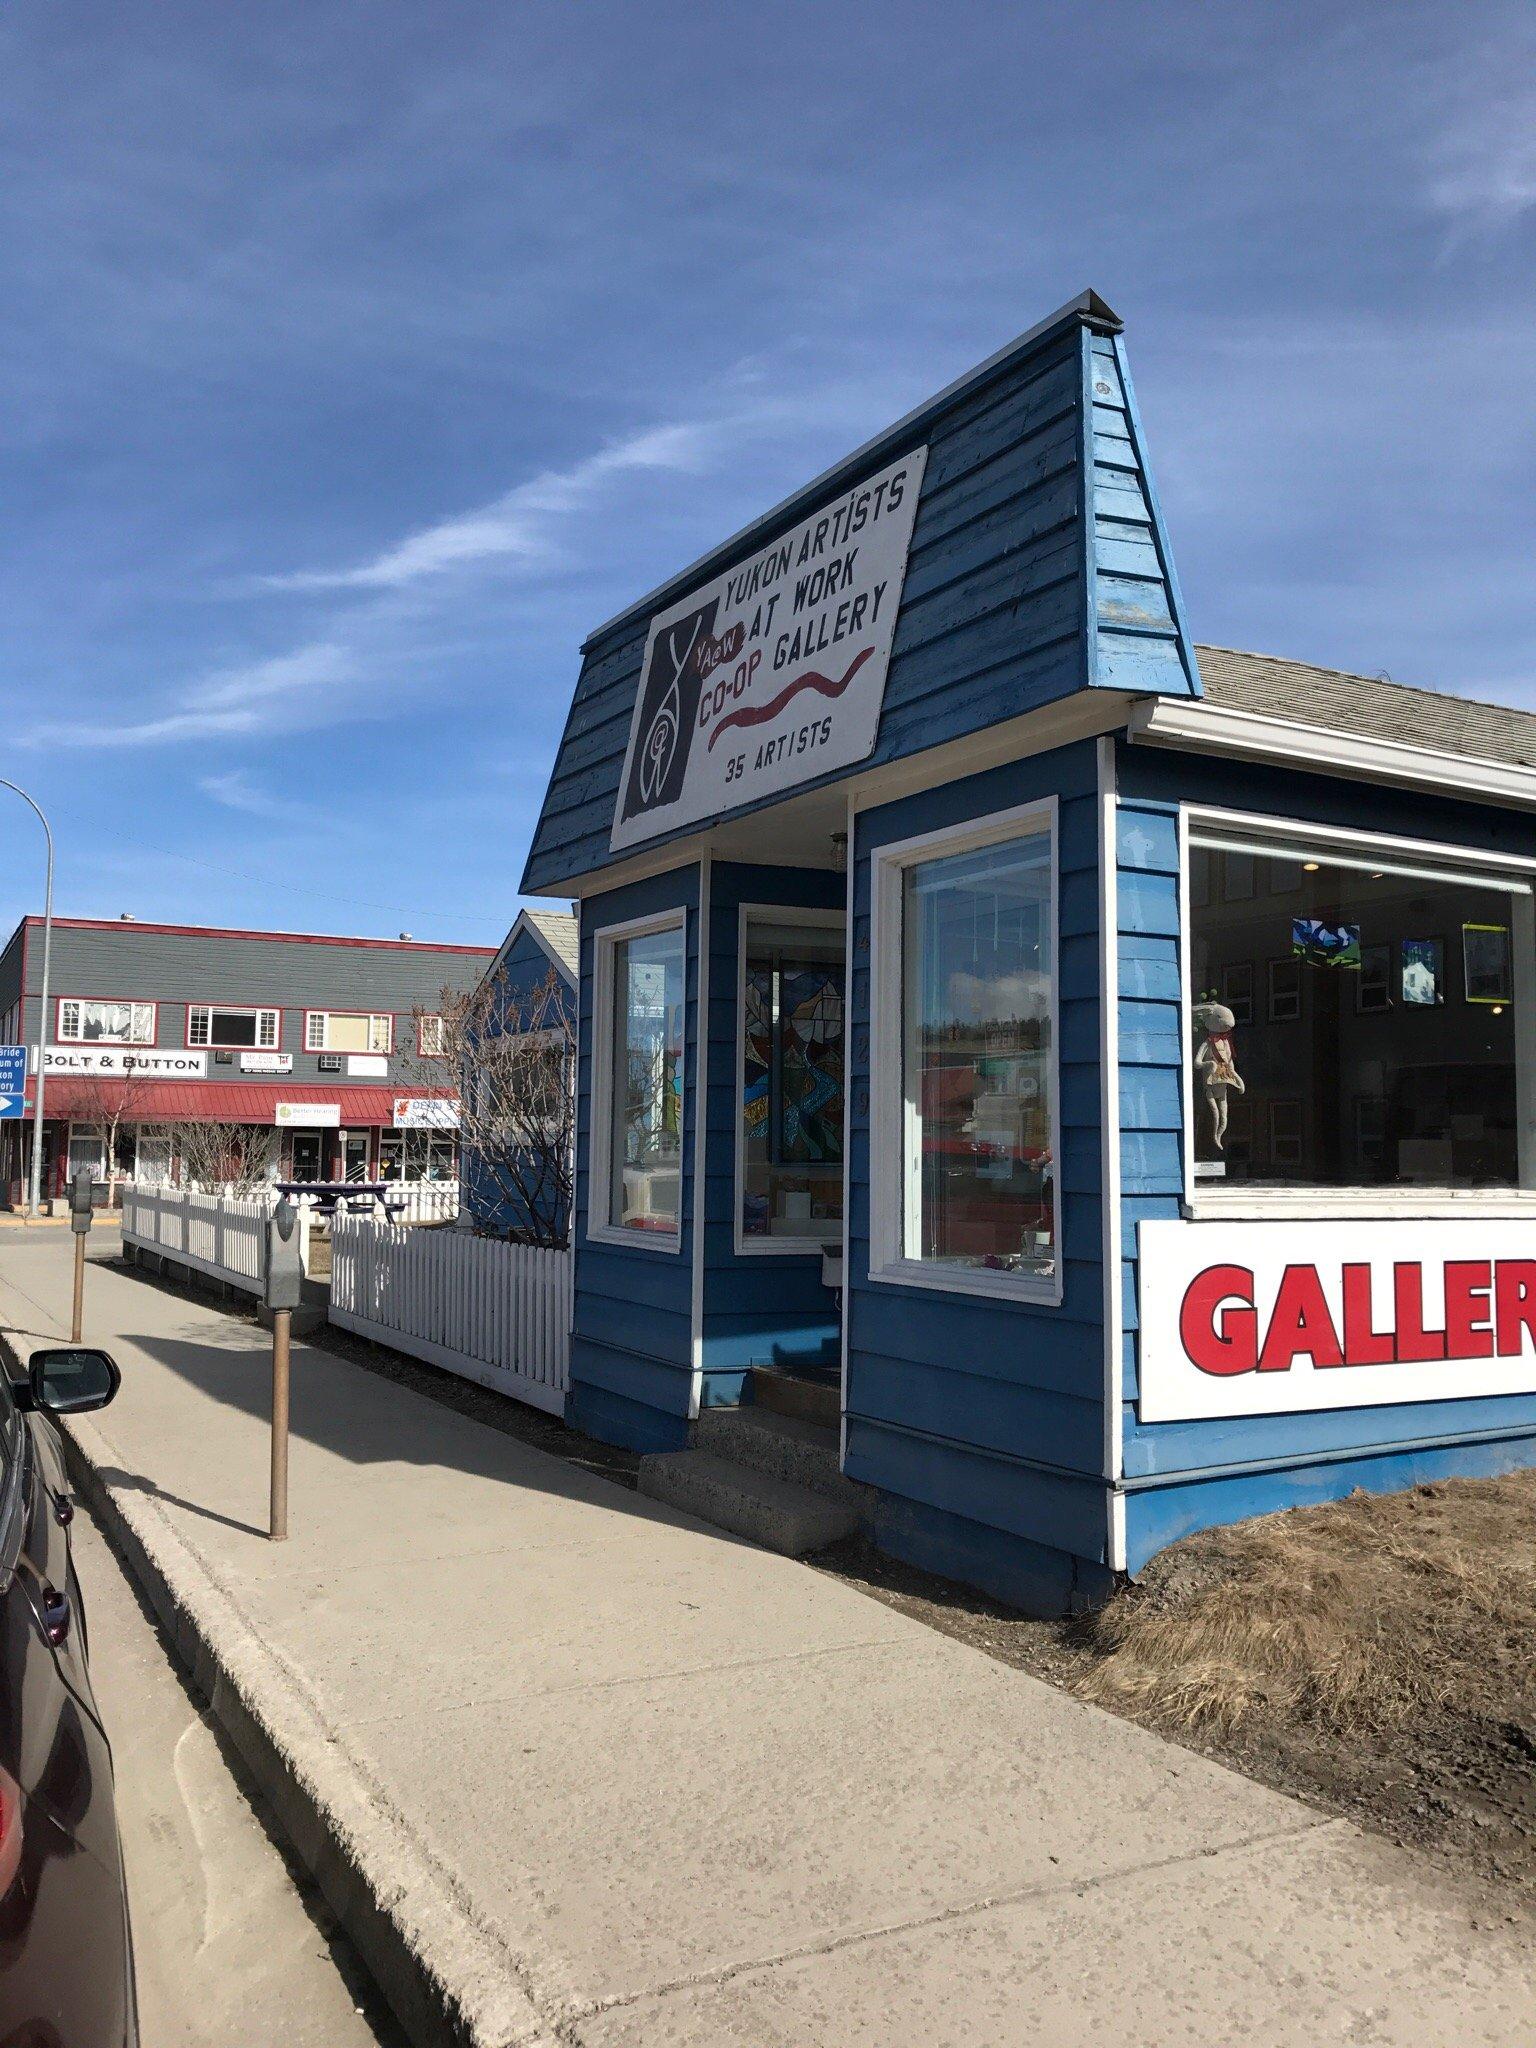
(348, 1031)
(87, 1020)
(214, 1024)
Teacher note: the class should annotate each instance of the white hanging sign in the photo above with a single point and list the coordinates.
(426, 1112)
(317, 1116)
(124, 1062)
(1280, 1318)
(774, 673)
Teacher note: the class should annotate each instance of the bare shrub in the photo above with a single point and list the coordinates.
(512, 1056)
(234, 1159)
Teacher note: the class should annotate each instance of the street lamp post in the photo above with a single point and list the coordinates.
(42, 1022)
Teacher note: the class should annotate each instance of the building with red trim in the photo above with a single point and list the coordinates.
(150, 1029)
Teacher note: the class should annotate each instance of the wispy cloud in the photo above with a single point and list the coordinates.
(517, 526)
(235, 791)
(228, 703)
(1482, 162)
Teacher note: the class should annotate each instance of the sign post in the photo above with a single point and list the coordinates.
(36, 1203)
(282, 1289)
(80, 1213)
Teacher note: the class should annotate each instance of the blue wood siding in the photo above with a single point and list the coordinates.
(521, 975)
(983, 1420)
(1038, 567)
(632, 1324)
(1182, 1476)
(759, 1309)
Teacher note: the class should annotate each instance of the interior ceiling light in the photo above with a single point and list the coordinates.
(1311, 866)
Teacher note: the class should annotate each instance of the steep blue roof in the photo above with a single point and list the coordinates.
(1039, 567)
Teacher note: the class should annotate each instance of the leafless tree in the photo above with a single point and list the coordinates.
(233, 1159)
(511, 1056)
(106, 1104)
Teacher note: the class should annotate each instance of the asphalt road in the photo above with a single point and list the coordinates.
(234, 1944)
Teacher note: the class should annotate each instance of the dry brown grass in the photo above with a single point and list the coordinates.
(1351, 1616)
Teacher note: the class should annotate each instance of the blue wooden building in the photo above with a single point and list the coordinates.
(1044, 1086)
(530, 987)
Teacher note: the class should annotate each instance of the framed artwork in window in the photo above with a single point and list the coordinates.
(1485, 963)
(1423, 973)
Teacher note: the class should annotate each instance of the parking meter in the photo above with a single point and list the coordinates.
(283, 1271)
(80, 1203)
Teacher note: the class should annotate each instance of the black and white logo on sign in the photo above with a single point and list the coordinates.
(668, 712)
(772, 674)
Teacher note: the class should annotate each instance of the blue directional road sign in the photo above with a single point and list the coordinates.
(13, 1081)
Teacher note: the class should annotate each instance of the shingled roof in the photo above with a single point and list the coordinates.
(1369, 705)
(558, 928)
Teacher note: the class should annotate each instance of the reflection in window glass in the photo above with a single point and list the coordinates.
(792, 1083)
(418, 1155)
(1386, 1053)
(646, 1141)
(98, 1023)
(978, 976)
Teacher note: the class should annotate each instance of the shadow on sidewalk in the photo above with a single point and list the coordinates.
(364, 1419)
(119, 1481)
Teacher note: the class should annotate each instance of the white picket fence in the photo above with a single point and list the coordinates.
(490, 1311)
(411, 1201)
(220, 1235)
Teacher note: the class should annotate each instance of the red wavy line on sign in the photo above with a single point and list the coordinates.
(813, 679)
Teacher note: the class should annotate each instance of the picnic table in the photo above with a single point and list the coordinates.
(354, 1197)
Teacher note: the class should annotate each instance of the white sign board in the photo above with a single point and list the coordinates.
(124, 1061)
(313, 1116)
(1277, 1318)
(367, 1065)
(266, 1063)
(426, 1112)
(774, 673)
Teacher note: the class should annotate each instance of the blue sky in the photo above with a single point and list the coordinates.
(358, 358)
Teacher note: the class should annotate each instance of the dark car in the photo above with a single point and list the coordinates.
(66, 1956)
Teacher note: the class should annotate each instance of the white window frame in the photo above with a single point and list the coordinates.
(110, 1002)
(1209, 1201)
(600, 1229)
(370, 1051)
(256, 1010)
(423, 1050)
(892, 1123)
(822, 920)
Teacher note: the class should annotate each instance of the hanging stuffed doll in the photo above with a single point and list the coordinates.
(1216, 1065)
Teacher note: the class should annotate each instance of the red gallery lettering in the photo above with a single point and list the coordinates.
(1489, 1312)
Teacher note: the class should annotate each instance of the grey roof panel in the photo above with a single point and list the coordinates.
(1272, 687)
(558, 929)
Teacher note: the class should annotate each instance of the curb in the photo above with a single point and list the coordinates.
(449, 1981)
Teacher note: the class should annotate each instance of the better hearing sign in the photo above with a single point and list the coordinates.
(1277, 1318)
(774, 673)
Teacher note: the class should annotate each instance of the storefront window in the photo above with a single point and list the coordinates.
(1388, 1052)
(792, 1084)
(646, 1074)
(418, 1155)
(977, 997)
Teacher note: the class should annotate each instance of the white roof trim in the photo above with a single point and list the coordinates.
(1206, 728)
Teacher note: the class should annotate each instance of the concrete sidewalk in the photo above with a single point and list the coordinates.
(573, 1768)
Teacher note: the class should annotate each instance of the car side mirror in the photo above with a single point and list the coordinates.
(71, 1381)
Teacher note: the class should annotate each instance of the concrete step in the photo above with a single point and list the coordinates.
(783, 1446)
(810, 1400)
(774, 1512)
